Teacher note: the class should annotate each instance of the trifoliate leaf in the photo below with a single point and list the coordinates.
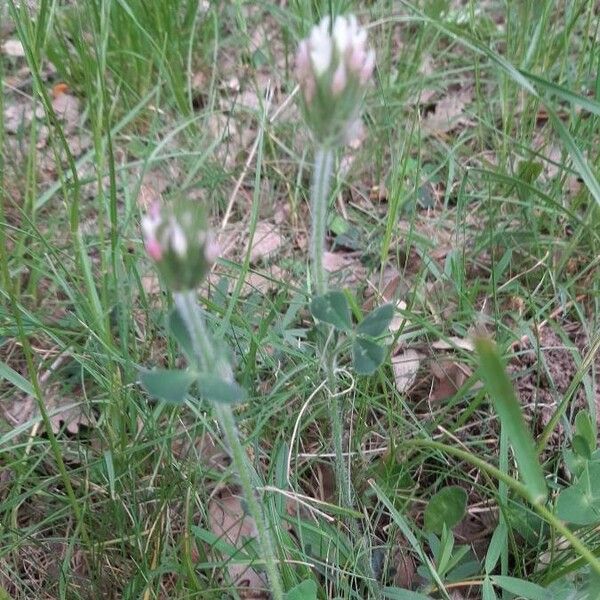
(376, 322)
(167, 384)
(447, 508)
(216, 389)
(332, 308)
(366, 356)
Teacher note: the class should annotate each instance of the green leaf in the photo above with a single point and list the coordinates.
(574, 462)
(167, 384)
(215, 389)
(402, 524)
(529, 171)
(563, 589)
(366, 356)
(497, 543)
(306, 590)
(332, 308)
(4, 595)
(507, 406)
(16, 379)
(377, 321)
(179, 330)
(586, 429)
(581, 447)
(580, 163)
(580, 503)
(487, 590)
(447, 508)
(526, 589)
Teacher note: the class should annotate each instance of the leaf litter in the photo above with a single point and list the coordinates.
(229, 521)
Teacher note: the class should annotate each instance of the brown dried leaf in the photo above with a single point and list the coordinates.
(186, 445)
(266, 241)
(404, 570)
(336, 261)
(405, 365)
(453, 342)
(448, 112)
(68, 412)
(227, 520)
(20, 114)
(398, 321)
(13, 48)
(345, 267)
(448, 377)
(66, 107)
(263, 282)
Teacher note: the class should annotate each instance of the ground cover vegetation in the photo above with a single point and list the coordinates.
(380, 376)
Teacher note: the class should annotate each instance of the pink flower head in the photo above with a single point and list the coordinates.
(154, 249)
(333, 67)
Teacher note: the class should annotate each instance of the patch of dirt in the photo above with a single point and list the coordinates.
(65, 404)
(39, 566)
(548, 367)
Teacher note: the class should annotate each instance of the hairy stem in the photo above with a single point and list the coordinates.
(208, 361)
(194, 320)
(245, 471)
(336, 409)
(319, 196)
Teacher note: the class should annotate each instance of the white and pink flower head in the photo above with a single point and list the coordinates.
(177, 239)
(334, 65)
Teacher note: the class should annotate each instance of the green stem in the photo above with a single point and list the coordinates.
(194, 320)
(342, 473)
(319, 196)
(245, 469)
(208, 361)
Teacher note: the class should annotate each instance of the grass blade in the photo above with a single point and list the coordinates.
(505, 401)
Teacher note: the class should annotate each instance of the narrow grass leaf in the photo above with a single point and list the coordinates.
(497, 543)
(409, 535)
(579, 162)
(377, 321)
(16, 379)
(507, 406)
(564, 93)
(219, 543)
(526, 589)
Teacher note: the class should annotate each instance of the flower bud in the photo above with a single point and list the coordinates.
(177, 239)
(333, 67)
